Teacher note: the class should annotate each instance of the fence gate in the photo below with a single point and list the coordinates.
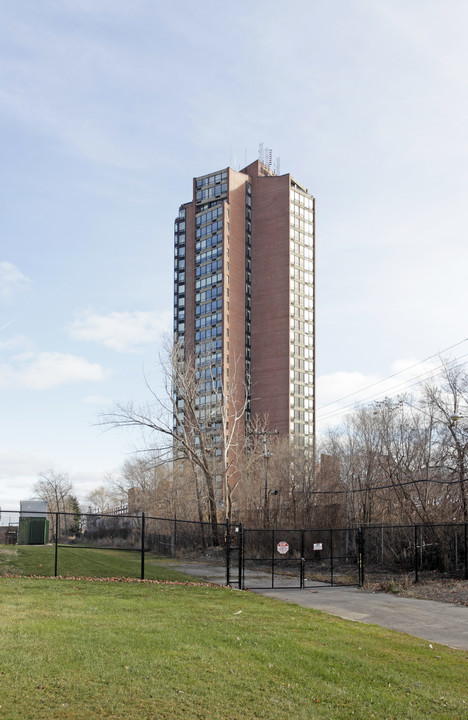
(283, 559)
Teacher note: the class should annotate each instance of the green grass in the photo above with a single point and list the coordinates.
(80, 650)
(81, 562)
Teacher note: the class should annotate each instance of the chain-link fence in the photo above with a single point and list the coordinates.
(421, 551)
(107, 544)
(140, 546)
(303, 558)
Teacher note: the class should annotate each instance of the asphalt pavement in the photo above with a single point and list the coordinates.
(429, 620)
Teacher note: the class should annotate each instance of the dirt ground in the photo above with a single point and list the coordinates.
(449, 591)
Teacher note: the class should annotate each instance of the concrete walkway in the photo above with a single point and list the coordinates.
(426, 619)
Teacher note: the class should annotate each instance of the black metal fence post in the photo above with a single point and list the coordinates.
(466, 551)
(302, 561)
(421, 548)
(272, 558)
(361, 555)
(331, 557)
(142, 573)
(416, 558)
(228, 551)
(241, 556)
(57, 520)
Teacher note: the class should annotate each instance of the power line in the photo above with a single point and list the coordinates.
(385, 487)
(411, 382)
(434, 372)
(378, 382)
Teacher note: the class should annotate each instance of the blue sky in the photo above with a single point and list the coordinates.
(109, 108)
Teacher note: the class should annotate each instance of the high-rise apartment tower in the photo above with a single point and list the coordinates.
(244, 295)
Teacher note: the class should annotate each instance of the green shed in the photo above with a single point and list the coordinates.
(33, 531)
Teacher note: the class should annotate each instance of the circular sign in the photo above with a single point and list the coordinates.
(282, 547)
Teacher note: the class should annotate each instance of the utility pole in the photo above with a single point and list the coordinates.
(460, 448)
(266, 456)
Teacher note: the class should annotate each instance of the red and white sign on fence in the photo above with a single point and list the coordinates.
(282, 547)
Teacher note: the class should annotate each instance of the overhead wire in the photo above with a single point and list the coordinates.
(378, 382)
(411, 382)
(385, 487)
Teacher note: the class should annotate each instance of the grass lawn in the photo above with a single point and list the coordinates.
(80, 650)
(83, 562)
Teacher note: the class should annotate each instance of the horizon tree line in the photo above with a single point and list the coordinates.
(393, 461)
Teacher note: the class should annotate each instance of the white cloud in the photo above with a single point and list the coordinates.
(46, 370)
(19, 342)
(18, 474)
(14, 465)
(340, 392)
(121, 331)
(11, 279)
(336, 387)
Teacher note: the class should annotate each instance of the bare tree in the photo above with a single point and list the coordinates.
(230, 410)
(250, 485)
(182, 431)
(357, 447)
(406, 459)
(55, 489)
(146, 484)
(404, 462)
(380, 453)
(448, 404)
(101, 500)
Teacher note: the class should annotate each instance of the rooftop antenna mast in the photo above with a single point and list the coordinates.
(265, 156)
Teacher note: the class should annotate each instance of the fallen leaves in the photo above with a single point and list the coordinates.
(139, 581)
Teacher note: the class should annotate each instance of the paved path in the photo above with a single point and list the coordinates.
(427, 619)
